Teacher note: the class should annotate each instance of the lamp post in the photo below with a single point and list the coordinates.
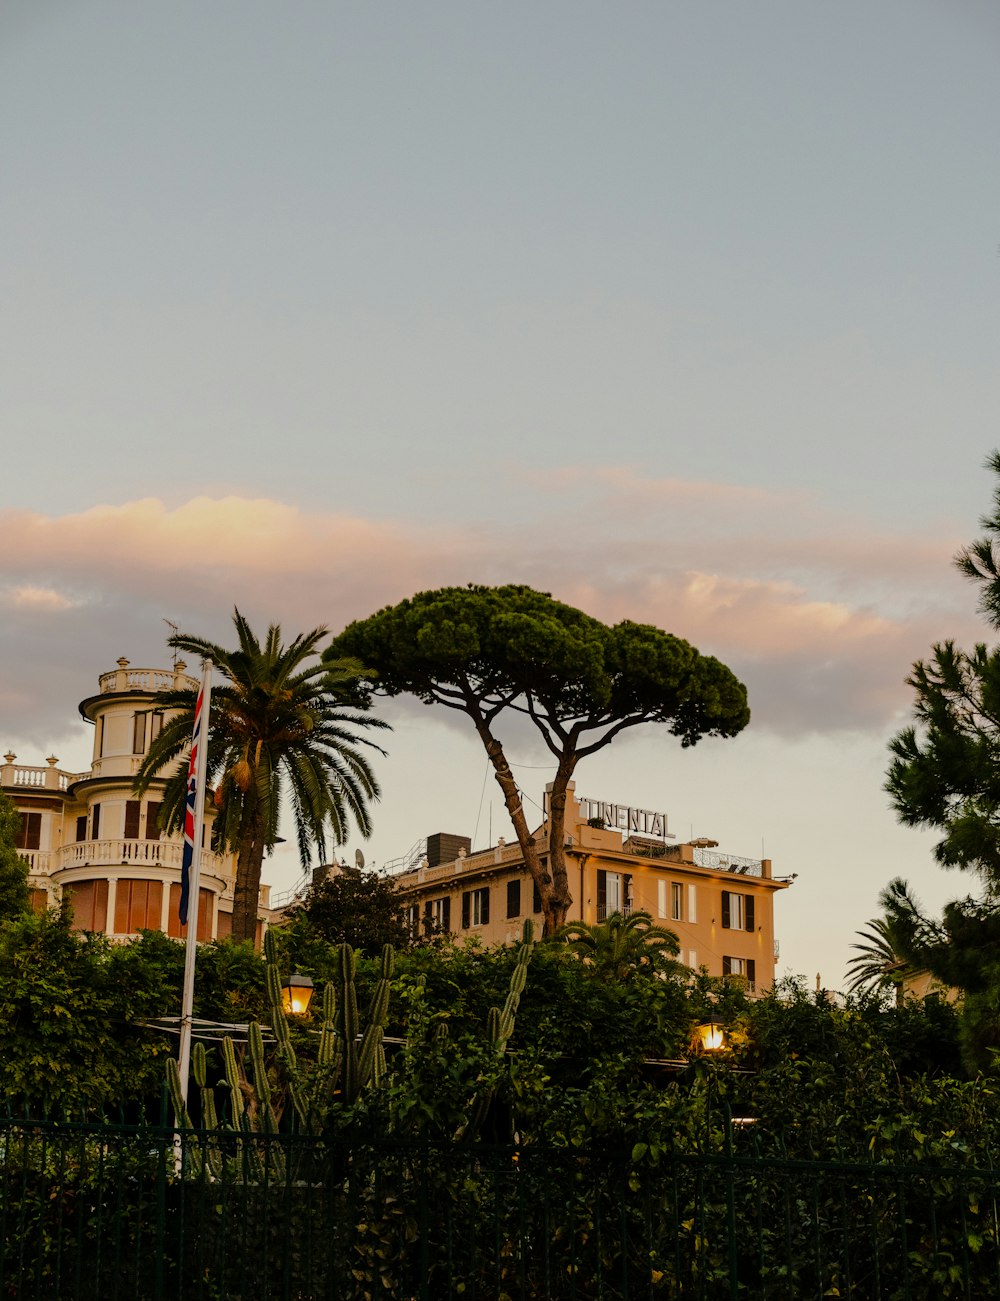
(296, 992)
(709, 1037)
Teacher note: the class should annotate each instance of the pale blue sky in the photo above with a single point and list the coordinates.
(688, 313)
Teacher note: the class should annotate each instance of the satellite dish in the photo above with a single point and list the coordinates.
(359, 859)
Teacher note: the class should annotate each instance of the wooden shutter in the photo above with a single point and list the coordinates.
(485, 910)
(446, 914)
(95, 821)
(748, 911)
(727, 966)
(153, 820)
(81, 827)
(466, 909)
(725, 910)
(602, 893)
(513, 898)
(29, 835)
(132, 809)
(139, 734)
(752, 971)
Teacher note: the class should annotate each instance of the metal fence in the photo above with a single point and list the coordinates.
(121, 1212)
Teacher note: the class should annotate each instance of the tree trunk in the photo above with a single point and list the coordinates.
(553, 890)
(246, 890)
(561, 897)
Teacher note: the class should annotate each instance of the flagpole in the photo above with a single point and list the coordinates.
(199, 762)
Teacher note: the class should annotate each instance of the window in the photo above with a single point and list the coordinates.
(174, 926)
(29, 834)
(138, 906)
(475, 907)
(536, 898)
(413, 919)
(737, 911)
(81, 827)
(610, 895)
(437, 915)
(132, 808)
(513, 898)
(89, 901)
(153, 820)
(155, 724)
(676, 902)
(744, 967)
(95, 822)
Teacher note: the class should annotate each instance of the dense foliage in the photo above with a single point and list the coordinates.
(488, 651)
(13, 869)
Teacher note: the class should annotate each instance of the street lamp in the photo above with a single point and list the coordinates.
(709, 1037)
(296, 992)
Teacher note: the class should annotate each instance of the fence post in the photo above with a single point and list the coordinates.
(734, 1279)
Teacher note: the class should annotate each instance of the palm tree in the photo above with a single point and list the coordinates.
(276, 720)
(878, 964)
(621, 946)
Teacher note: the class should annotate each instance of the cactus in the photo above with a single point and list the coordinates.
(499, 1028)
(346, 1057)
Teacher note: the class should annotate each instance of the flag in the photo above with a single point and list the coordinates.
(190, 809)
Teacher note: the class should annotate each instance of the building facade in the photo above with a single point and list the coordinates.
(720, 906)
(87, 837)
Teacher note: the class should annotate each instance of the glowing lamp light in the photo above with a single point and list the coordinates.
(296, 992)
(709, 1037)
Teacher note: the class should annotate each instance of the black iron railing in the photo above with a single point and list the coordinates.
(122, 1212)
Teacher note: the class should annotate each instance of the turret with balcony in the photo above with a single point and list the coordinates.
(89, 835)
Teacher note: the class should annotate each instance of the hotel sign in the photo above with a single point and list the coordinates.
(622, 817)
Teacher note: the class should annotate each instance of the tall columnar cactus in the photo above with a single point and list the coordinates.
(499, 1028)
(348, 1059)
(364, 1061)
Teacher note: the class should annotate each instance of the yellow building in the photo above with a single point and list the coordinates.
(720, 906)
(87, 836)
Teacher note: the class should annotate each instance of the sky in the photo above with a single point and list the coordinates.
(687, 314)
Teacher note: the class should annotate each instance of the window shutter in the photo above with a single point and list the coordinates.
(727, 966)
(29, 835)
(81, 827)
(749, 912)
(725, 914)
(466, 907)
(139, 734)
(536, 899)
(132, 819)
(602, 890)
(153, 820)
(446, 914)
(513, 898)
(427, 909)
(486, 906)
(752, 971)
(95, 833)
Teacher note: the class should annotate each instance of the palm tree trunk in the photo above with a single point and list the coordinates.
(246, 890)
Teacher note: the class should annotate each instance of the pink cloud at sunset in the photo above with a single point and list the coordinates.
(813, 663)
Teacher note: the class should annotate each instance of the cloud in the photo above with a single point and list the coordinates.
(38, 598)
(822, 623)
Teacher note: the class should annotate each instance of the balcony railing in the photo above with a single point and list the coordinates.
(606, 910)
(126, 678)
(120, 853)
(37, 778)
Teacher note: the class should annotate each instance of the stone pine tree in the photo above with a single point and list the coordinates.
(945, 768)
(944, 775)
(490, 652)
